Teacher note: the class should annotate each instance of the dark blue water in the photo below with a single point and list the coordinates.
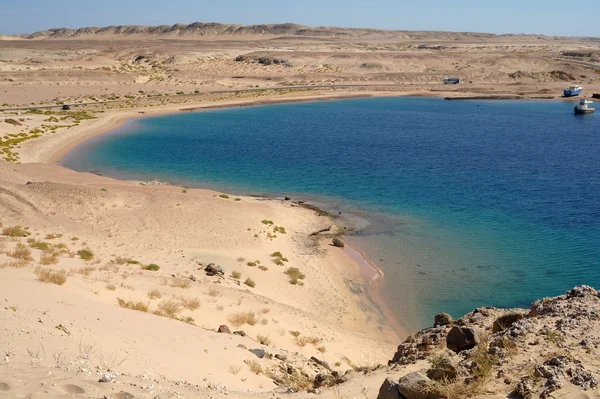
(471, 203)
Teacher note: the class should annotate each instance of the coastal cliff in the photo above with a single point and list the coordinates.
(548, 350)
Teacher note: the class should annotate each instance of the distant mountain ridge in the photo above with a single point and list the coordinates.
(215, 30)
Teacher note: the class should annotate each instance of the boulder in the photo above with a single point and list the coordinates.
(260, 353)
(503, 322)
(442, 319)
(461, 338)
(417, 386)
(321, 363)
(214, 270)
(389, 390)
(443, 370)
(240, 333)
(223, 329)
(338, 243)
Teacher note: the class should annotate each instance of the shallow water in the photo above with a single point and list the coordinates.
(470, 203)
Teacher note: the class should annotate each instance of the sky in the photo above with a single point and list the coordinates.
(550, 17)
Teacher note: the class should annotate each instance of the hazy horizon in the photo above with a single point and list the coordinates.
(510, 17)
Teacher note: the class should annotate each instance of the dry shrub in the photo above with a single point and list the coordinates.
(48, 258)
(154, 294)
(214, 291)
(234, 369)
(111, 287)
(19, 263)
(303, 341)
(58, 277)
(180, 283)
(190, 303)
(254, 366)
(263, 339)
(265, 310)
(236, 275)
(85, 271)
(21, 252)
(169, 308)
(133, 305)
(250, 283)
(264, 322)
(263, 268)
(295, 275)
(15, 231)
(238, 319)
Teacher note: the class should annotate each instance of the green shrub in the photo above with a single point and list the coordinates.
(224, 196)
(85, 254)
(151, 267)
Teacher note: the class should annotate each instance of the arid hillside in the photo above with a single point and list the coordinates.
(90, 64)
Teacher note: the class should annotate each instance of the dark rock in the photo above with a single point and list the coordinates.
(223, 329)
(260, 353)
(417, 386)
(214, 270)
(442, 319)
(461, 338)
(338, 243)
(240, 333)
(389, 390)
(504, 322)
(281, 357)
(192, 277)
(524, 389)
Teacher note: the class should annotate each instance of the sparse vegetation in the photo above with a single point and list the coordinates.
(238, 319)
(154, 294)
(15, 231)
(254, 366)
(295, 276)
(58, 277)
(234, 369)
(250, 283)
(224, 196)
(263, 268)
(48, 258)
(169, 308)
(180, 283)
(21, 252)
(133, 305)
(263, 339)
(267, 222)
(190, 303)
(151, 267)
(236, 275)
(111, 287)
(85, 254)
(214, 291)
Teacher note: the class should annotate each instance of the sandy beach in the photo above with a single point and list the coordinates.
(104, 282)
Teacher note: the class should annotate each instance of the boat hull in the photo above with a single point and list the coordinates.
(571, 93)
(581, 111)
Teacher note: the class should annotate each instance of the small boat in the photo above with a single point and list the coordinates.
(572, 91)
(583, 107)
(596, 95)
(451, 81)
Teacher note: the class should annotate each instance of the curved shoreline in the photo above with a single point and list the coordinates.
(109, 122)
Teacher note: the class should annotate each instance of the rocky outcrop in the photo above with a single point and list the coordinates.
(549, 350)
(389, 390)
(442, 319)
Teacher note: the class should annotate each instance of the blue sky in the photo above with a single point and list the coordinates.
(551, 17)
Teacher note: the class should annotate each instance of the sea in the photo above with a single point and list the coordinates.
(462, 204)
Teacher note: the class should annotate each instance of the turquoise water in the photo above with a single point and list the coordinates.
(469, 203)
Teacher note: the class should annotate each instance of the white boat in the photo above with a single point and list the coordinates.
(583, 107)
